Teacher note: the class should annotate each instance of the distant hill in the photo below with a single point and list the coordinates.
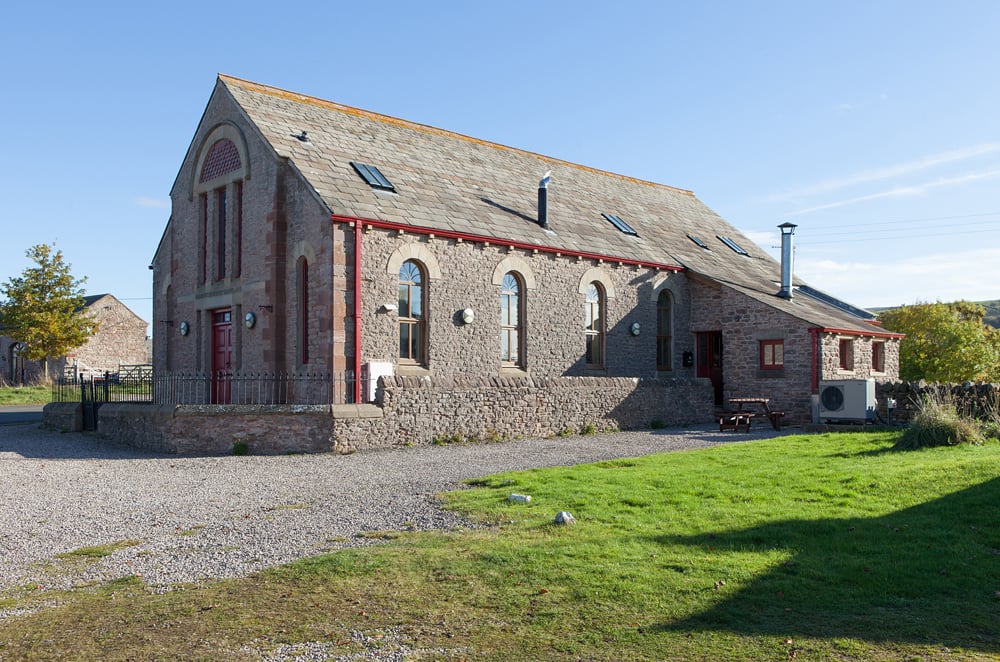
(992, 311)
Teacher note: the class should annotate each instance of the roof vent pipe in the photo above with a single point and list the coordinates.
(787, 230)
(543, 200)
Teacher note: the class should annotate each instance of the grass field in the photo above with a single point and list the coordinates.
(803, 547)
(25, 395)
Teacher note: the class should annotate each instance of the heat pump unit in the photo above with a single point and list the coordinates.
(847, 399)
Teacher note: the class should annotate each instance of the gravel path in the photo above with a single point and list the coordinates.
(198, 518)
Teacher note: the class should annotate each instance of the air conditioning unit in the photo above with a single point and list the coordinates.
(847, 399)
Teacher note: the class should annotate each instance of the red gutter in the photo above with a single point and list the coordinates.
(464, 236)
(357, 310)
(855, 332)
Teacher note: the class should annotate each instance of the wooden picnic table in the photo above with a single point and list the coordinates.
(746, 407)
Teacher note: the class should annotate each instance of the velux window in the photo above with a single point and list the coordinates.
(620, 224)
(733, 245)
(373, 176)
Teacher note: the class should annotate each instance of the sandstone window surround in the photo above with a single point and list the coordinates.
(664, 331)
(594, 322)
(411, 313)
(302, 294)
(218, 181)
(511, 321)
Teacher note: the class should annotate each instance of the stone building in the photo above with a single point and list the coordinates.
(475, 288)
(120, 339)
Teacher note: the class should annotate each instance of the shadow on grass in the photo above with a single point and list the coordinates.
(926, 575)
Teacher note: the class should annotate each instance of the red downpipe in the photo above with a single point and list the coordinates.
(814, 332)
(357, 311)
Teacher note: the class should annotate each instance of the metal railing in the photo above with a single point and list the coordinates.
(200, 388)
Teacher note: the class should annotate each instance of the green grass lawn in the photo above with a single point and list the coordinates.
(25, 395)
(803, 547)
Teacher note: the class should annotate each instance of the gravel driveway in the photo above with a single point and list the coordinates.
(199, 518)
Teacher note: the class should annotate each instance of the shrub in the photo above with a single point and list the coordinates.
(938, 423)
(240, 447)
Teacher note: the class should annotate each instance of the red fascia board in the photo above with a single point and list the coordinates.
(464, 236)
(855, 332)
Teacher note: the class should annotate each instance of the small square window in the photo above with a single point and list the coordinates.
(772, 354)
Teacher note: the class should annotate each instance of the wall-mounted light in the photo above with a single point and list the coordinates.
(249, 320)
(635, 328)
(468, 316)
(185, 328)
(387, 308)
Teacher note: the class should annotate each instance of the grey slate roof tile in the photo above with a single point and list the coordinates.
(448, 181)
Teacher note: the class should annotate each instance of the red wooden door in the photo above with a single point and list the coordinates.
(710, 360)
(222, 356)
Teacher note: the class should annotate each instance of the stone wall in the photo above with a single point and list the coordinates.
(421, 410)
(979, 399)
(216, 429)
(414, 410)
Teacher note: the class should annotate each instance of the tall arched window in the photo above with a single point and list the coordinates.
(303, 296)
(412, 314)
(511, 321)
(593, 325)
(664, 331)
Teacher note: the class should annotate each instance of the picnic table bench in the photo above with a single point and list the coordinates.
(741, 418)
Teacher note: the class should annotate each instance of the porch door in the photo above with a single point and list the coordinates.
(222, 356)
(710, 360)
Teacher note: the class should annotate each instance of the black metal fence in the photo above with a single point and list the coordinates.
(143, 384)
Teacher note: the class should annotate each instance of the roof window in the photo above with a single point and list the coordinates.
(371, 174)
(699, 242)
(620, 224)
(732, 244)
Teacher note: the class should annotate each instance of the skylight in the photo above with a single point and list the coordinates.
(732, 244)
(698, 241)
(620, 224)
(371, 174)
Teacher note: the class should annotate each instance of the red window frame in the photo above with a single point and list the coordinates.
(846, 345)
(878, 356)
(772, 354)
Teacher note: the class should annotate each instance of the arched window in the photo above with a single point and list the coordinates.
(412, 314)
(303, 316)
(664, 331)
(593, 325)
(511, 321)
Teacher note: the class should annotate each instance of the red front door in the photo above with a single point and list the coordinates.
(710, 360)
(222, 356)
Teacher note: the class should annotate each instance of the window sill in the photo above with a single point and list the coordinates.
(411, 369)
(512, 371)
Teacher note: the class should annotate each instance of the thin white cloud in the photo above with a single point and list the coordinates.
(910, 279)
(902, 191)
(881, 174)
(156, 203)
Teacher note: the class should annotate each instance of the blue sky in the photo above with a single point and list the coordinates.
(874, 126)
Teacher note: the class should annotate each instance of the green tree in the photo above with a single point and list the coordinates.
(945, 342)
(44, 308)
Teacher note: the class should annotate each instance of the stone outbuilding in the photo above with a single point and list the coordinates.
(120, 339)
(462, 287)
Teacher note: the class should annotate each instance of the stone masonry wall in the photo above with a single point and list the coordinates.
(420, 410)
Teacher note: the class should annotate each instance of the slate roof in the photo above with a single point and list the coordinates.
(451, 182)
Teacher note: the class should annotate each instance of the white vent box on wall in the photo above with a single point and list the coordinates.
(847, 399)
(370, 372)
